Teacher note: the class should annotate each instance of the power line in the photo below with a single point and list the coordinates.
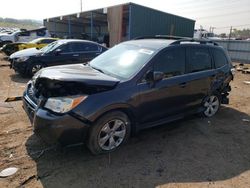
(232, 13)
(213, 7)
(196, 3)
(232, 26)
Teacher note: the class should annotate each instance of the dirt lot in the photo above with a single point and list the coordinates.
(195, 152)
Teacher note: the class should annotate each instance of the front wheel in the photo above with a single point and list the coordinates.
(34, 68)
(211, 105)
(109, 132)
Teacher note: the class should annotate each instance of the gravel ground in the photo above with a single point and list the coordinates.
(193, 152)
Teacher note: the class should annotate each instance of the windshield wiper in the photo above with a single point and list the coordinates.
(100, 70)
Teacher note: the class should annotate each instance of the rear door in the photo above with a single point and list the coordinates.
(90, 51)
(199, 74)
(24, 36)
(76, 49)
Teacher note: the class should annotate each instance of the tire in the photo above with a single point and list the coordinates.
(211, 105)
(109, 132)
(34, 68)
(5, 42)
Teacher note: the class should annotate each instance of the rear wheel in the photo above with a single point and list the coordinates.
(109, 132)
(211, 105)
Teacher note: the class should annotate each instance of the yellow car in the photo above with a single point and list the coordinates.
(37, 43)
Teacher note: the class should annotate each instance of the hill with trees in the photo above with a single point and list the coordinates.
(22, 24)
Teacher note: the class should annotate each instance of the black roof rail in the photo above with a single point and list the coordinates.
(160, 37)
(201, 41)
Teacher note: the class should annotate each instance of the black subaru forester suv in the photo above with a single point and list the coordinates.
(134, 85)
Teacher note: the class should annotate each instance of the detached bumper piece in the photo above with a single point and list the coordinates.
(13, 99)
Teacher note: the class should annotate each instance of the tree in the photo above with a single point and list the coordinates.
(245, 33)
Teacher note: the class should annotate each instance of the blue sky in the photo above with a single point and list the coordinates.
(220, 14)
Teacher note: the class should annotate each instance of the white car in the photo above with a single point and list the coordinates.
(23, 36)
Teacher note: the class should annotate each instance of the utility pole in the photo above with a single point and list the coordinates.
(81, 4)
(230, 33)
(229, 38)
(212, 29)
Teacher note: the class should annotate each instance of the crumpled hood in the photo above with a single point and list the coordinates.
(26, 53)
(77, 73)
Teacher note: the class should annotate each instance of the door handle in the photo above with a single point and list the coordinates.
(76, 55)
(184, 84)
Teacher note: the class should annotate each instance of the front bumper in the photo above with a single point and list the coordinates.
(52, 128)
(18, 66)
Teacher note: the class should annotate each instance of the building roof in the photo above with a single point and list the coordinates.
(119, 5)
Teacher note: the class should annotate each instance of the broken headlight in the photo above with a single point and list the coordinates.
(63, 104)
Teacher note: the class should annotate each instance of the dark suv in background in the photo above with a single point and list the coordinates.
(70, 51)
(134, 85)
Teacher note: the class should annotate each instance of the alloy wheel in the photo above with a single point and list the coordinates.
(112, 134)
(211, 105)
(36, 68)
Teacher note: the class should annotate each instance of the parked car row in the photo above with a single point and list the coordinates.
(8, 30)
(132, 86)
(39, 43)
(69, 51)
(23, 36)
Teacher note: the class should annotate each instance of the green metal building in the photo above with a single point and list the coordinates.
(119, 23)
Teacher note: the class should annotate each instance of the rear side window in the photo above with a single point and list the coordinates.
(83, 47)
(219, 58)
(198, 59)
(171, 62)
(91, 47)
(24, 34)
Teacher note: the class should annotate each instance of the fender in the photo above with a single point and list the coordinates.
(127, 108)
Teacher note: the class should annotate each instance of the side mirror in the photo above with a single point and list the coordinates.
(158, 76)
(154, 76)
(58, 52)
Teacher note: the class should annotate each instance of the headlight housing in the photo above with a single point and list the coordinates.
(22, 59)
(63, 104)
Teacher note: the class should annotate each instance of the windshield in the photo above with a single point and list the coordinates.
(35, 41)
(50, 47)
(122, 61)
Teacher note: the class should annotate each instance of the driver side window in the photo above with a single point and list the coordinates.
(65, 48)
(171, 62)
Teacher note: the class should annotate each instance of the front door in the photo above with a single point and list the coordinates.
(64, 54)
(168, 96)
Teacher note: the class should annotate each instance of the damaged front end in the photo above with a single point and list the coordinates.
(47, 88)
(49, 101)
(58, 96)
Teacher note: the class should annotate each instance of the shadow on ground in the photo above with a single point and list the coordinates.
(15, 77)
(190, 150)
